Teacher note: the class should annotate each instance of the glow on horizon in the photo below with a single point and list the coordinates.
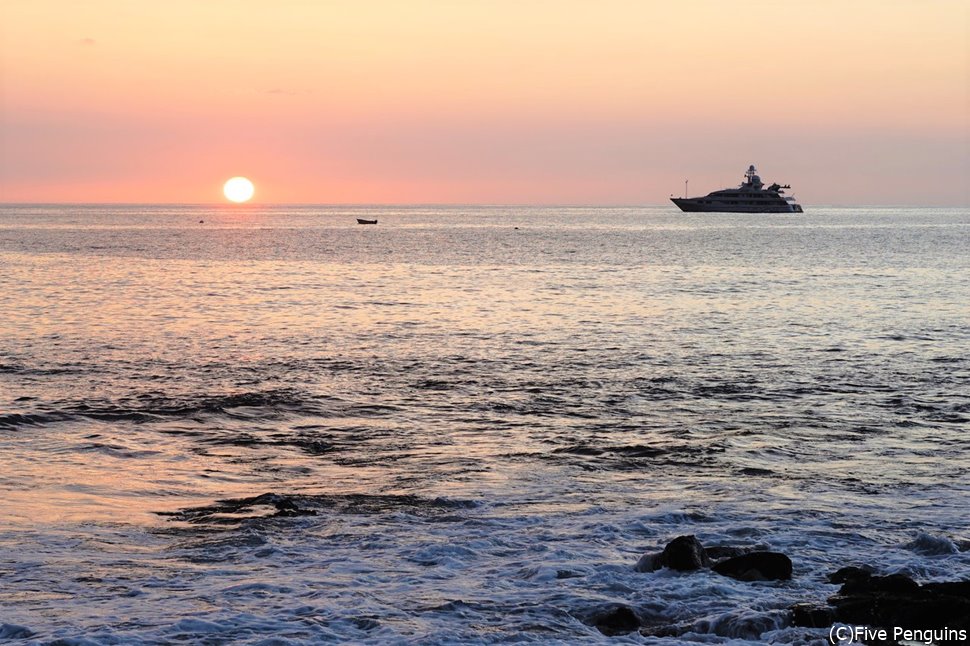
(501, 102)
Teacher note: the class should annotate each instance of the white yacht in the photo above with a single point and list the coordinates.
(750, 197)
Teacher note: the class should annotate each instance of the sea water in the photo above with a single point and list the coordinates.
(465, 424)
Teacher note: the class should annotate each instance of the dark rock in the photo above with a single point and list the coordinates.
(721, 552)
(949, 588)
(611, 619)
(756, 566)
(893, 601)
(684, 553)
(894, 583)
(809, 615)
(665, 630)
(850, 573)
(909, 611)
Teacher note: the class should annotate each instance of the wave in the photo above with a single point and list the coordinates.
(146, 408)
(233, 511)
(17, 420)
(625, 457)
(930, 545)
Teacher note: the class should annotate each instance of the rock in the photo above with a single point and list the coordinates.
(721, 552)
(850, 573)
(611, 619)
(897, 600)
(684, 553)
(810, 615)
(894, 583)
(949, 588)
(665, 631)
(756, 566)
(894, 601)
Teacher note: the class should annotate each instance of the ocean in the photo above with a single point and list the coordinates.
(272, 425)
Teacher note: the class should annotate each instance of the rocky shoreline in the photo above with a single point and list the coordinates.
(936, 613)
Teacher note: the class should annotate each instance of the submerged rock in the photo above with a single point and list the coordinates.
(756, 566)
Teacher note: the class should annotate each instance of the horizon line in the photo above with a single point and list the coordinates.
(249, 205)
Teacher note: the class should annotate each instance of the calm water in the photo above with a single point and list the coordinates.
(472, 421)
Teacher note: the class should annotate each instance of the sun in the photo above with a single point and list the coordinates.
(238, 189)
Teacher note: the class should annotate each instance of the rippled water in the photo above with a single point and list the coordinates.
(465, 424)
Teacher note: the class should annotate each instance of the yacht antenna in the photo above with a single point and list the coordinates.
(685, 187)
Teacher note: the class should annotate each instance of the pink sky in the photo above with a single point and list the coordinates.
(554, 102)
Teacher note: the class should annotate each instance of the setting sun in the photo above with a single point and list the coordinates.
(238, 189)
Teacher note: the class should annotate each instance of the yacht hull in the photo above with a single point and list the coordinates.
(695, 205)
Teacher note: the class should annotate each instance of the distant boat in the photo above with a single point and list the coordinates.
(750, 197)
(363, 221)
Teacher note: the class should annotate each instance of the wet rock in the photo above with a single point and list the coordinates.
(684, 553)
(611, 619)
(810, 615)
(721, 552)
(897, 600)
(893, 601)
(867, 584)
(953, 588)
(850, 572)
(665, 630)
(756, 566)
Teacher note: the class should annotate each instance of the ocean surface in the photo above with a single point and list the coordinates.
(271, 425)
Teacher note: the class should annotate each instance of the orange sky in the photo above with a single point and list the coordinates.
(862, 102)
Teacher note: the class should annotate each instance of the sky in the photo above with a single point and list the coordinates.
(500, 102)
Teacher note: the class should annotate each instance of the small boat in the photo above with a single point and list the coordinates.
(363, 221)
(750, 197)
